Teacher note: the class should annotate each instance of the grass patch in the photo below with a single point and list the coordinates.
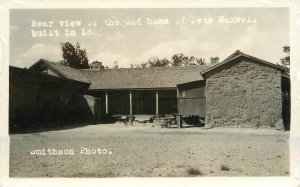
(49, 174)
(192, 171)
(180, 166)
(225, 168)
(92, 175)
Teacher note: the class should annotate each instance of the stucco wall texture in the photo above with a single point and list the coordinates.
(243, 94)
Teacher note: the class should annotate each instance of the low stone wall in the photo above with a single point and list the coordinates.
(243, 94)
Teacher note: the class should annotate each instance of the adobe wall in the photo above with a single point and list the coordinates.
(243, 94)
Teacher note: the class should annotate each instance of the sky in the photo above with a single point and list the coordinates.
(132, 36)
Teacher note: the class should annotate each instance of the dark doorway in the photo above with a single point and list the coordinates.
(167, 102)
(143, 102)
(286, 102)
(118, 102)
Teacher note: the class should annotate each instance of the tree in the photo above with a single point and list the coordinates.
(200, 61)
(214, 60)
(182, 60)
(152, 62)
(116, 64)
(97, 65)
(143, 65)
(156, 62)
(285, 61)
(74, 56)
(177, 60)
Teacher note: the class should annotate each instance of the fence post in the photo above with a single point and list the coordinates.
(178, 121)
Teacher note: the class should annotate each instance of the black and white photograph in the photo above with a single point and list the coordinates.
(149, 92)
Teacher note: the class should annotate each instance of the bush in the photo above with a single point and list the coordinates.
(224, 168)
(192, 171)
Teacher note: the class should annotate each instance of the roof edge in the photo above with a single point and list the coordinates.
(237, 55)
(49, 66)
(160, 67)
(126, 89)
(47, 75)
(190, 82)
(56, 70)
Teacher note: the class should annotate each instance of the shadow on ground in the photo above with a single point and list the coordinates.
(55, 127)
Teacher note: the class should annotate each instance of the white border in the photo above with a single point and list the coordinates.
(293, 180)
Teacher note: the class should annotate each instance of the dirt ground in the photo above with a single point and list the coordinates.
(145, 151)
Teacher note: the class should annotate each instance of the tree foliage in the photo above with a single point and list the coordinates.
(176, 60)
(285, 61)
(156, 62)
(116, 64)
(179, 60)
(214, 60)
(143, 65)
(182, 60)
(98, 65)
(74, 57)
(200, 61)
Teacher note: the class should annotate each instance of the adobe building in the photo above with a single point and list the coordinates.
(241, 91)
(45, 97)
(139, 91)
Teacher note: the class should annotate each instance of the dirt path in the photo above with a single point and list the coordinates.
(146, 151)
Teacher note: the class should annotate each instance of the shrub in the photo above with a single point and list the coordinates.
(192, 171)
(224, 168)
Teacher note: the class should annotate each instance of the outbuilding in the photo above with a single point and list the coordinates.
(140, 91)
(241, 91)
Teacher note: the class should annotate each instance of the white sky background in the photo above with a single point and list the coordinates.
(135, 44)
